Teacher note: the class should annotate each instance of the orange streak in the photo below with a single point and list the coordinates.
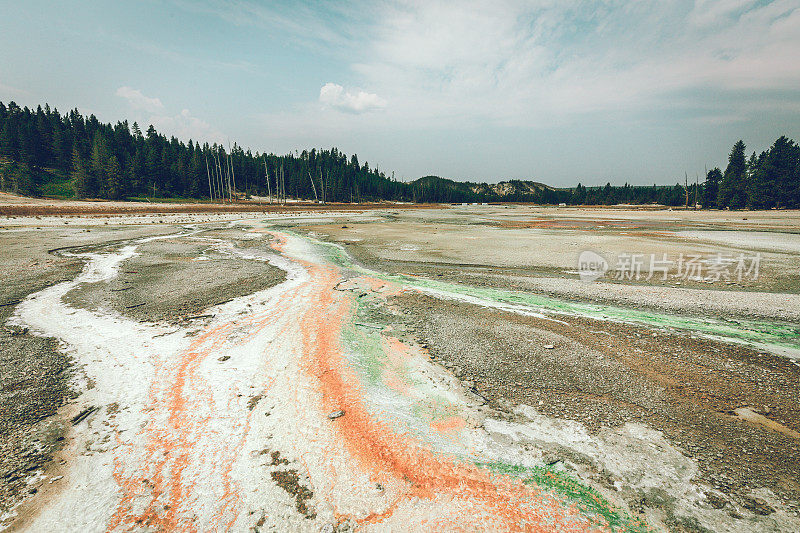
(451, 423)
(473, 496)
(508, 503)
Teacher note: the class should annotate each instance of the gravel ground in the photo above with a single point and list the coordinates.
(730, 408)
(177, 278)
(537, 249)
(35, 377)
(605, 374)
(728, 302)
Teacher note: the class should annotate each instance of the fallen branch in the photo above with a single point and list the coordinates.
(83, 415)
(197, 317)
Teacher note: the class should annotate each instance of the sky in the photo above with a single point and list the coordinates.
(558, 91)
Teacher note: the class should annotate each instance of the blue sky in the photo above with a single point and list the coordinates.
(558, 91)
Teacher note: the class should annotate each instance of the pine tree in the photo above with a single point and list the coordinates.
(99, 164)
(22, 179)
(8, 140)
(114, 178)
(732, 191)
(711, 189)
(781, 170)
(81, 182)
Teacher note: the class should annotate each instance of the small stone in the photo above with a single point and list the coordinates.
(758, 506)
(336, 414)
(716, 499)
(550, 459)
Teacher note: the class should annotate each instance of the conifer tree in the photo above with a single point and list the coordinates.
(81, 181)
(732, 188)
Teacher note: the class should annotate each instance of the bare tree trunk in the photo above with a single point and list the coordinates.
(220, 182)
(220, 177)
(233, 174)
(269, 188)
(283, 186)
(227, 176)
(208, 173)
(686, 188)
(314, 187)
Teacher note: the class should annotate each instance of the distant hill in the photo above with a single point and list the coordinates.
(435, 188)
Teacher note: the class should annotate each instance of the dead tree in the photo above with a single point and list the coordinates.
(314, 187)
(269, 187)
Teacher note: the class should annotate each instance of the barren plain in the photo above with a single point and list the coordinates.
(385, 368)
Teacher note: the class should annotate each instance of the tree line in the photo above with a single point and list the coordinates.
(768, 180)
(43, 152)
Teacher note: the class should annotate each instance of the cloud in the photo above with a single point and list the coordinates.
(336, 96)
(712, 12)
(139, 101)
(186, 126)
(183, 125)
(545, 62)
(11, 91)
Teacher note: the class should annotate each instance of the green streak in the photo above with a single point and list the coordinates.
(760, 334)
(364, 342)
(586, 499)
(369, 357)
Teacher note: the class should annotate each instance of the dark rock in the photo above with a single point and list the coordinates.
(758, 506)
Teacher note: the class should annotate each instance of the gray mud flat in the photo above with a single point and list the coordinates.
(730, 409)
(177, 278)
(716, 422)
(164, 282)
(34, 375)
(603, 375)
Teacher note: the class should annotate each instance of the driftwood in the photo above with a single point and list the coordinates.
(83, 415)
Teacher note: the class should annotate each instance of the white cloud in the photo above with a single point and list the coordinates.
(7, 92)
(545, 65)
(711, 12)
(139, 101)
(535, 63)
(186, 126)
(183, 125)
(336, 96)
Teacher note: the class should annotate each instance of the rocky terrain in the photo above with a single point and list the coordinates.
(367, 370)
